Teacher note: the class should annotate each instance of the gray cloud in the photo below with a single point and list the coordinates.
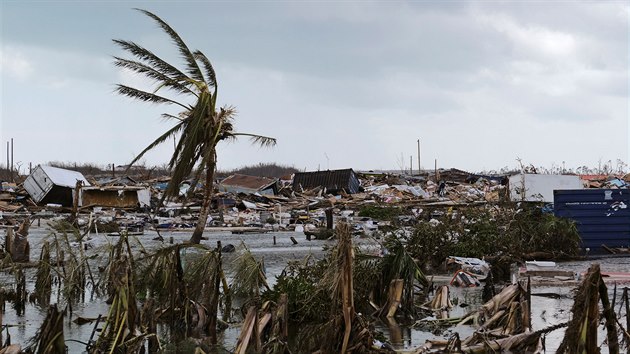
(480, 83)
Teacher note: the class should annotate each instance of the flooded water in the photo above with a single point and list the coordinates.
(545, 311)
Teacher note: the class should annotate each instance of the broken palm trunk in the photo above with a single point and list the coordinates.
(581, 335)
(20, 249)
(401, 274)
(504, 327)
(441, 302)
(121, 331)
(255, 329)
(506, 314)
(346, 331)
(248, 332)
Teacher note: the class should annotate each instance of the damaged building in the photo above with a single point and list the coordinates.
(238, 183)
(52, 185)
(334, 182)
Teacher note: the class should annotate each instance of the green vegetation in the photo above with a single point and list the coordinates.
(487, 232)
(380, 213)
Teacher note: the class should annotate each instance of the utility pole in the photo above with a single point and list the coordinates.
(410, 165)
(11, 170)
(419, 171)
(437, 178)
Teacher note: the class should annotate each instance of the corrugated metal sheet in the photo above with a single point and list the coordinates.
(37, 185)
(64, 178)
(334, 181)
(602, 216)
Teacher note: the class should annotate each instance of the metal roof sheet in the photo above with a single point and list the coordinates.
(251, 182)
(64, 178)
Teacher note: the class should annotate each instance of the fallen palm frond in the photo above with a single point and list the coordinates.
(163, 282)
(204, 277)
(71, 265)
(43, 277)
(50, 339)
(527, 342)
(400, 270)
(249, 274)
(121, 330)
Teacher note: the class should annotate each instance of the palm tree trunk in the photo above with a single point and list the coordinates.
(207, 198)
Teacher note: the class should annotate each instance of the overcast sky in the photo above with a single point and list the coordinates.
(339, 84)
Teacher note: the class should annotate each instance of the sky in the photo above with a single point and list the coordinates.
(339, 84)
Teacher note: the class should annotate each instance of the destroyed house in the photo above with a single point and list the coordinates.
(334, 181)
(52, 185)
(115, 196)
(238, 183)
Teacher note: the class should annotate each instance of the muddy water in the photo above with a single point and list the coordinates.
(545, 311)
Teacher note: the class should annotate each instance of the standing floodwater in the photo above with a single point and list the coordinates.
(546, 310)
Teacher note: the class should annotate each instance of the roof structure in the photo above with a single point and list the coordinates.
(249, 182)
(64, 178)
(333, 181)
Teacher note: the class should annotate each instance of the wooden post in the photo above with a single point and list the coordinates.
(274, 240)
(75, 201)
(329, 218)
(8, 240)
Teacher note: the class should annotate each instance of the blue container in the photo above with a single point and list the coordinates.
(602, 216)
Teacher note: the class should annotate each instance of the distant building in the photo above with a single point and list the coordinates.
(334, 181)
(52, 185)
(238, 183)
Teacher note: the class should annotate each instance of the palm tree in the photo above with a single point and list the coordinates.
(199, 127)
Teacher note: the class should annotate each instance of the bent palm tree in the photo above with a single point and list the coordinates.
(199, 127)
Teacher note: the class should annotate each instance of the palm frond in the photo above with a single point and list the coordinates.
(151, 59)
(167, 116)
(162, 138)
(263, 141)
(145, 96)
(191, 64)
(210, 74)
(176, 84)
(249, 276)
